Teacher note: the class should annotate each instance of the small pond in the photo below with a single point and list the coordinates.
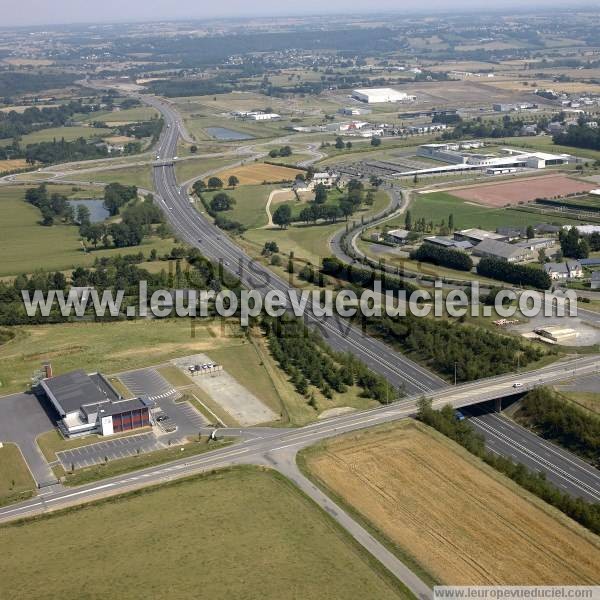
(97, 211)
(227, 135)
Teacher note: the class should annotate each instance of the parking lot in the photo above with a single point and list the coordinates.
(97, 453)
(148, 382)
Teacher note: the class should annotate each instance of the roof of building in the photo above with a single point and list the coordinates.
(400, 233)
(534, 242)
(590, 262)
(563, 267)
(479, 234)
(501, 249)
(74, 389)
(449, 242)
(116, 408)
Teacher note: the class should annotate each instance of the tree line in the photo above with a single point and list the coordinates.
(452, 348)
(524, 275)
(444, 421)
(303, 355)
(121, 272)
(446, 257)
(560, 421)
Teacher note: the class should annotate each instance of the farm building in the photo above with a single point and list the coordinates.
(491, 248)
(89, 404)
(380, 96)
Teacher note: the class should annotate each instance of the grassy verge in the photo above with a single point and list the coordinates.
(16, 482)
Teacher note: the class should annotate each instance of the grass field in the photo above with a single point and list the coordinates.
(251, 201)
(25, 245)
(442, 509)
(257, 173)
(268, 542)
(16, 482)
(588, 400)
(106, 347)
(129, 115)
(68, 133)
(310, 243)
(141, 176)
(440, 205)
(188, 169)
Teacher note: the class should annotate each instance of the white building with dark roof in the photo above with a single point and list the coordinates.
(89, 404)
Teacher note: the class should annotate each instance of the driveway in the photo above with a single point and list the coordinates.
(22, 419)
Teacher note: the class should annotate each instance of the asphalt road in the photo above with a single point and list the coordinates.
(278, 448)
(563, 469)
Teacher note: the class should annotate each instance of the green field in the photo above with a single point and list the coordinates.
(439, 205)
(16, 482)
(129, 115)
(240, 533)
(251, 201)
(25, 245)
(106, 347)
(187, 169)
(68, 133)
(309, 242)
(140, 176)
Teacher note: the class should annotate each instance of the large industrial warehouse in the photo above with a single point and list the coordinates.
(380, 95)
(89, 404)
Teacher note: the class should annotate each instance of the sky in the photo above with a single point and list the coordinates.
(44, 12)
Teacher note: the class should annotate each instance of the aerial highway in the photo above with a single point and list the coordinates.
(214, 244)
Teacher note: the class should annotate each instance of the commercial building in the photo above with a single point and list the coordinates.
(459, 159)
(511, 253)
(89, 404)
(381, 95)
(475, 236)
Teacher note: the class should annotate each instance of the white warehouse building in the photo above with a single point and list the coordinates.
(381, 95)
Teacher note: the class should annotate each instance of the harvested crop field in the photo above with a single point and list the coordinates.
(260, 173)
(523, 190)
(459, 520)
(12, 165)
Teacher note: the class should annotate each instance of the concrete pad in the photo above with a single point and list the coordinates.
(231, 396)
